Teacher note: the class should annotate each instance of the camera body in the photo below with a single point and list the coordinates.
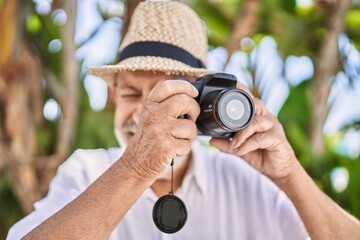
(224, 108)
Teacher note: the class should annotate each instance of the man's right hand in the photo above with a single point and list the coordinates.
(161, 134)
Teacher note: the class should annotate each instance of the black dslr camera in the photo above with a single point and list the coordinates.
(224, 108)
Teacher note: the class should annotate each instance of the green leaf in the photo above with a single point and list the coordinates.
(352, 19)
(297, 107)
(33, 23)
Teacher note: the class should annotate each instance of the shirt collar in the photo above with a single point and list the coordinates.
(197, 169)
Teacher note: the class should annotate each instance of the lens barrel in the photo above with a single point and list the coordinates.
(224, 112)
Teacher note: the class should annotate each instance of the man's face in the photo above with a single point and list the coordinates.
(131, 91)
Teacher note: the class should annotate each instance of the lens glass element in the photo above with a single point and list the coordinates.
(235, 109)
(224, 112)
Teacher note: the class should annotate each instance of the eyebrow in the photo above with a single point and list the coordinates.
(127, 86)
(124, 83)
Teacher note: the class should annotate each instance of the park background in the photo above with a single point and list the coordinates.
(300, 57)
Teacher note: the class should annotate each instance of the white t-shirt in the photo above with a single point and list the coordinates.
(225, 198)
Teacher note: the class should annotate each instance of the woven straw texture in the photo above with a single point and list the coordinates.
(163, 21)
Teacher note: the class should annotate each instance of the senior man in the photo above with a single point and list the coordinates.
(253, 188)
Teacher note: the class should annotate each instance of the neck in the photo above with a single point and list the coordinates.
(162, 185)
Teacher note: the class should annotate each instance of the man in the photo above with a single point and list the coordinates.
(109, 194)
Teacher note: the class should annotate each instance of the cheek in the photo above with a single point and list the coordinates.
(120, 116)
(123, 114)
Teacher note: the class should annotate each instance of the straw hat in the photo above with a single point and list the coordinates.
(165, 36)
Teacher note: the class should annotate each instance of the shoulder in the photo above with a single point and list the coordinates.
(89, 163)
(95, 156)
(100, 156)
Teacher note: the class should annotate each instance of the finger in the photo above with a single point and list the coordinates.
(260, 108)
(255, 142)
(181, 104)
(182, 147)
(241, 86)
(168, 88)
(259, 124)
(184, 129)
(221, 144)
(253, 159)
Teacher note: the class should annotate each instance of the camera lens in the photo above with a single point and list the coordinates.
(235, 109)
(225, 112)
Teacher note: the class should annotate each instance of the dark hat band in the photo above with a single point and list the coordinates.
(160, 49)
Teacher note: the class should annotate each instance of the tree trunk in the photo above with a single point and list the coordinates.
(244, 26)
(130, 7)
(21, 103)
(68, 93)
(326, 68)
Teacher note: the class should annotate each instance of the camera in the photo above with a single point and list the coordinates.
(224, 108)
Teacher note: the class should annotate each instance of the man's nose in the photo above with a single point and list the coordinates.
(140, 105)
(139, 109)
(137, 113)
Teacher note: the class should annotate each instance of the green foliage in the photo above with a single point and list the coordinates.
(10, 211)
(349, 199)
(218, 18)
(352, 19)
(295, 117)
(33, 23)
(352, 22)
(95, 129)
(297, 107)
(46, 138)
(288, 5)
(41, 31)
(297, 31)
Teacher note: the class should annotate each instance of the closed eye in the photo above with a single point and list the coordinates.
(129, 93)
(130, 96)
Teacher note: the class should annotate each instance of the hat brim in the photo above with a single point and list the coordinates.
(147, 63)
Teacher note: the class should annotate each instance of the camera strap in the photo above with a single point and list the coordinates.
(169, 212)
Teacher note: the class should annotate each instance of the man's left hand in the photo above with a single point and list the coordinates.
(262, 144)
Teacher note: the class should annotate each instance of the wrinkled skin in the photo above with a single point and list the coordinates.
(146, 117)
(262, 144)
(147, 109)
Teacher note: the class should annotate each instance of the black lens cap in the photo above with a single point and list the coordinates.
(169, 214)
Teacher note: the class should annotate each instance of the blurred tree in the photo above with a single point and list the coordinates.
(327, 65)
(32, 72)
(21, 101)
(313, 31)
(130, 7)
(244, 25)
(31, 148)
